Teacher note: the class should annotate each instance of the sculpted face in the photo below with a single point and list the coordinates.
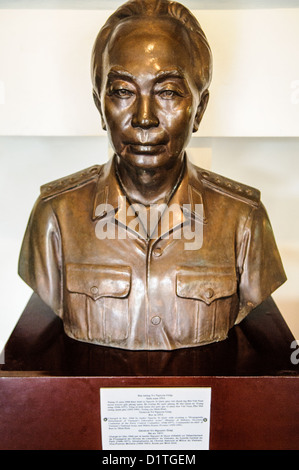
(150, 104)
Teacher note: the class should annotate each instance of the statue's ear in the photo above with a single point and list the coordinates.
(201, 109)
(99, 107)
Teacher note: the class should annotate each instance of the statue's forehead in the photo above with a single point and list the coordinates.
(142, 50)
(164, 28)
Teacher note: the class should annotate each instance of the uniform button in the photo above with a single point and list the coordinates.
(209, 293)
(156, 320)
(157, 251)
(94, 290)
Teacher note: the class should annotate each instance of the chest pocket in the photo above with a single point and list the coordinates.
(207, 304)
(97, 302)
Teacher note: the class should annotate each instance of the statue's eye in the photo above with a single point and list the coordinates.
(169, 94)
(122, 93)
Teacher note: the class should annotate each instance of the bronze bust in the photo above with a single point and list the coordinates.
(149, 252)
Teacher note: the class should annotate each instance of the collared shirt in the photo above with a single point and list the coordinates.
(183, 280)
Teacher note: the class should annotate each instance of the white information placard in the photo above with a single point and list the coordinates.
(155, 418)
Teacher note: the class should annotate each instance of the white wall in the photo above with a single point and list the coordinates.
(50, 127)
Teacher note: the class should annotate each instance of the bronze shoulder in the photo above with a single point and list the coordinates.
(69, 182)
(230, 187)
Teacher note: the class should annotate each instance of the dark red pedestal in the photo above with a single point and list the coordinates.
(50, 383)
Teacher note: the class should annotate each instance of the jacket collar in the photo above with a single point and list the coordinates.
(109, 198)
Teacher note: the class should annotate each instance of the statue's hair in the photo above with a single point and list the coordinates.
(200, 48)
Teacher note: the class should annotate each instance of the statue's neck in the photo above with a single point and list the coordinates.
(149, 186)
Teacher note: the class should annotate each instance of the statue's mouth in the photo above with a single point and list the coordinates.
(146, 148)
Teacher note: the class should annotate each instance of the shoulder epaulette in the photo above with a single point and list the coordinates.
(69, 182)
(231, 187)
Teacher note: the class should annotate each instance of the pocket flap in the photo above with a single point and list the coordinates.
(98, 281)
(206, 284)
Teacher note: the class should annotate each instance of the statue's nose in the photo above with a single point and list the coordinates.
(145, 115)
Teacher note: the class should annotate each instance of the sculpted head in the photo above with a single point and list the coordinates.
(151, 69)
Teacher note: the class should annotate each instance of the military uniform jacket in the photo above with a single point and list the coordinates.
(136, 291)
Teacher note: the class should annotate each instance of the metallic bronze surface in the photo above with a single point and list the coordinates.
(91, 249)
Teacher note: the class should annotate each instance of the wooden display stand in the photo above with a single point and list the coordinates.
(50, 383)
